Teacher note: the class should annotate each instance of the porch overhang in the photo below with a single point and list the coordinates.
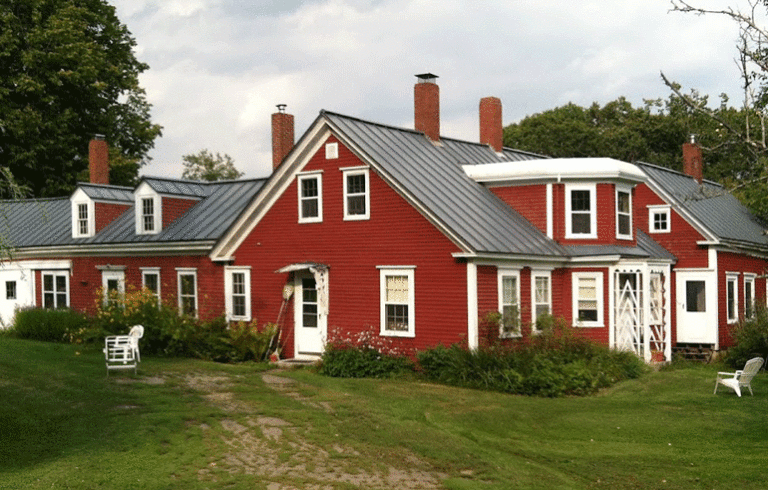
(302, 266)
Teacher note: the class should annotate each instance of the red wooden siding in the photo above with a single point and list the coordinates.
(106, 213)
(741, 264)
(681, 241)
(174, 207)
(395, 235)
(528, 200)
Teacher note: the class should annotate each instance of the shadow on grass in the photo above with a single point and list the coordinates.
(56, 400)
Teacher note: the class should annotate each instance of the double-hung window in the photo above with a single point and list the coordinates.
(55, 289)
(623, 213)
(732, 296)
(587, 299)
(237, 288)
(356, 193)
(749, 295)
(397, 301)
(150, 280)
(82, 219)
(581, 211)
(187, 291)
(310, 197)
(509, 303)
(83, 215)
(541, 294)
(148, 214)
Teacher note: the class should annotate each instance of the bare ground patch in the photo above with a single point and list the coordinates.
(274, 450)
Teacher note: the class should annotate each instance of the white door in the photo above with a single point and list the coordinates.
(309, 322)
(113, 284)
(696, 307)
(15, 292)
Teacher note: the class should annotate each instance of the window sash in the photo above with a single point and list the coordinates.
(509, 305)
(82, 219)
(148, 214)
(581, 212)
(541, 295)
(55, 290)
(10, 290)
(588, 301)
(623, 214)
(732, 305)
(749, 296)
(310, 198)
(187, 284)
(356, 194)
(397, 302)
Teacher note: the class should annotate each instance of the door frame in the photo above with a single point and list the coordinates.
(305, 347)
(686, 326)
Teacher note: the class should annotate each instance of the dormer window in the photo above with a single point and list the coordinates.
(83, 215)
(148, 214)
(148, 210)
(581, 211)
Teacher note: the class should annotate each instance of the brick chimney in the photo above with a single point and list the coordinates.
(282, 135)
(426, 110)
(491, 130)
(692, 162)
(98, 160)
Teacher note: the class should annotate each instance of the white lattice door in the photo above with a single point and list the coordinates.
(628, 326)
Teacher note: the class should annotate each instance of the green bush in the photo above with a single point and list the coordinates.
(362, 355)
(48, 325)
(553, 363)
(750, 339)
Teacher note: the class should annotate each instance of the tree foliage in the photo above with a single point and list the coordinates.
(204, 165)
(67, 72)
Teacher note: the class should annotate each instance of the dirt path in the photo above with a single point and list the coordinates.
(274, 451)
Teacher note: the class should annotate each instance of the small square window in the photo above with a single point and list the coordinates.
(659, 220)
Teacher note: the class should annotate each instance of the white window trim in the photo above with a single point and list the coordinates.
(331, 151)
(55, 274)
(749, 278)
(408, 271)
(598, 276)
(592, 188)
(502, 273)
(654, 209)
(229, 271)
(78, 199)
(534, 275)
(350, 171)
(106, 276)
(146, 271)
(183, 271)
(146, 192)
(732, 277)
(628, 191)
(306, 176)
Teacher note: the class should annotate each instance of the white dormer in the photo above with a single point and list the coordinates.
(149, 210)
(83, 215)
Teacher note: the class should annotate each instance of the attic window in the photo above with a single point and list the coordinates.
(148, 214)
(83, 216)
(82, 219)
(356, 194)
(148, 210)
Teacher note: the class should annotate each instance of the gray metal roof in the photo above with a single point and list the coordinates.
(431, 174)
(101, 192)
(47, 222)
(35, 222)
(711, 205)
(187, 188)
(646, 248)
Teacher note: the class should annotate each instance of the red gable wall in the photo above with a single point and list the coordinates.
(528, 200)
(107, 213)
(174, 207)
(395, 235)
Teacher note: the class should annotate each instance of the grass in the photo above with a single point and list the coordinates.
(183, 424)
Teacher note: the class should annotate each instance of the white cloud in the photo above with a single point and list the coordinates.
(218, 67)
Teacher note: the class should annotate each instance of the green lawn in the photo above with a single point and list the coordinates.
(183, 424)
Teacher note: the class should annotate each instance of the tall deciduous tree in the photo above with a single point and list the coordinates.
(204, 165)
(68, 71)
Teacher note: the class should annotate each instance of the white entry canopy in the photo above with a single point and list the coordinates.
(320, 271)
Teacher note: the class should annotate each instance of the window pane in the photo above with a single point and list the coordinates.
(580, 201)
(48, 282)
(397, 289)
(187, 284)
(355, 205)
(238, 305)
(623, 202)
(356, 184)
(731, 290)
(542, 290)
(397, 318)
(309, 208)
(48, 300)
(624, 224)
(581, 223)
(509, 290)
(10, 290)
(309, 188)
(695, 293)
(151, 281)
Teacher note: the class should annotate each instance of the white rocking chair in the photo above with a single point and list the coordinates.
(122, 351)
(741, 378)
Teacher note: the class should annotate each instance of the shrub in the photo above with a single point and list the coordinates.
(362, 355)
(48, 325)
(750, 339)
(552, 363)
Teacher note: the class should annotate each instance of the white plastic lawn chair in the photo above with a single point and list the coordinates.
(122, 351)
(742, 378)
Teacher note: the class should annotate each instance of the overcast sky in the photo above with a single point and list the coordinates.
(219, 67)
